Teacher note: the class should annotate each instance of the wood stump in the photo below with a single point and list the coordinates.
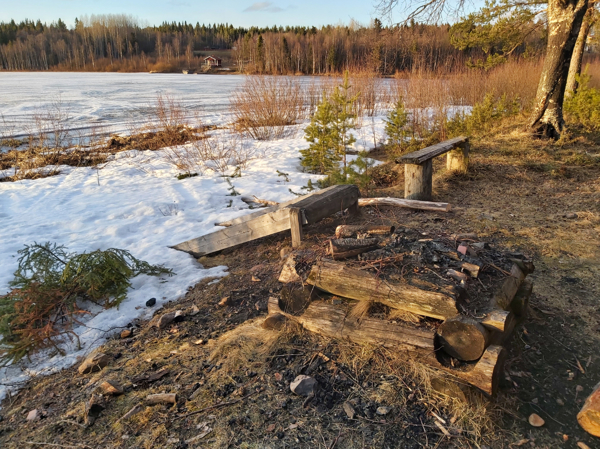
(418, 181)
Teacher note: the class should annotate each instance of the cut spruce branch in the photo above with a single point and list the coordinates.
(346, 231)
(401, 202)
(338, 279)
(419, 344)
(345, 248)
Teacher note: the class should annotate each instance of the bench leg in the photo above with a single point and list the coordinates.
(418, 181)
(296, 226)
(353, 209)
(458, 159)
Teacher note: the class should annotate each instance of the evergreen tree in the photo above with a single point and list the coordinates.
(320, 156)
(329, 132)
(344, 118)
(395, 126)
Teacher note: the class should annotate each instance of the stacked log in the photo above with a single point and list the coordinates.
(468, 346)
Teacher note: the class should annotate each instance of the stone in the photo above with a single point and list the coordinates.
(256, 279)
(536, 420)
(285, 251)
(462, 248)
(225, 301)
(93, 363)
(582, 445)
(168, 318)
(126, 333)
(111, 387)
(288, 272)
(350, 412)
(571, 215)
(33, 415)
(383, 410)
(151, 302)
(274, 322)
(303, 385)
(194, 310)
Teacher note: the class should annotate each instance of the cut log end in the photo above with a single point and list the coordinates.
(463, 338)
(589, 416)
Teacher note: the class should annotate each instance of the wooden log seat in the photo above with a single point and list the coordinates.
(418, 168)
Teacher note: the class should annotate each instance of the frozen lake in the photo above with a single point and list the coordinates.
(111, 102)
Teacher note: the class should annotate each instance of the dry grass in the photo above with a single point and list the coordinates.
(265, 105)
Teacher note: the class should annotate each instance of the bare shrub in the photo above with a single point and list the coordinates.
(265, 105)
(216, 153)
(368, 86)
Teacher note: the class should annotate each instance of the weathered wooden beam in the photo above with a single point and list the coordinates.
(296, 226)
(401, 202)
(418, 181)
(322, 205)
(262, 226)
(308, 209)
(338, 279)
(267, 210)
(333, 322)
(419, 157)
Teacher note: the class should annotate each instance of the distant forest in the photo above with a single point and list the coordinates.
(119, 43)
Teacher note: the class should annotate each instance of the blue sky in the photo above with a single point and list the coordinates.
(237, 12)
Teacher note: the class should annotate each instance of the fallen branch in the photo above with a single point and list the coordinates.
(401, 202)
(223, 404)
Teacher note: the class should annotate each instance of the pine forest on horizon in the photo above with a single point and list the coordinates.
(119, 43)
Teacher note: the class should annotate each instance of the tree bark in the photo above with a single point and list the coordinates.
(575, 67)
(564, 22)
(338, 279)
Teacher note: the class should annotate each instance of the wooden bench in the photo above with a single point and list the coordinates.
(418, 169)
(291, 215)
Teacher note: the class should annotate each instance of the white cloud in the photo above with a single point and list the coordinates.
(263, 6)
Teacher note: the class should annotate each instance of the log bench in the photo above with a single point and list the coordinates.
(291, 215)
(418, 168)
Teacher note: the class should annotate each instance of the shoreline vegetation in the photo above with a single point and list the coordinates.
(264, 108)
(118, 43)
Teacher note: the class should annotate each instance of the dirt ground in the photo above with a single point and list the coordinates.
(232, 377)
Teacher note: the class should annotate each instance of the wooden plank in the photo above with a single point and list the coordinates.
(295, 201)
(296, 226)
(418, 157)
(335, 200)
(267, 222)
(262, 226)
(338, 279)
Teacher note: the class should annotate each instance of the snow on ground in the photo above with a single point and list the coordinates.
(135, 202)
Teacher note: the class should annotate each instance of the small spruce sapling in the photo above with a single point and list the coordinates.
(329, 132)
(395, 127)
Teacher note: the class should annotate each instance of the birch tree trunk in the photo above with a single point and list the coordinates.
(564, 23)
(575, 67)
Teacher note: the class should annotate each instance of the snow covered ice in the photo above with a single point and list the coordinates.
(134, 202)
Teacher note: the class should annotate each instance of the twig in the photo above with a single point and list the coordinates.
(334, 442)
(223, 404)
(500, 269)
(59, 445)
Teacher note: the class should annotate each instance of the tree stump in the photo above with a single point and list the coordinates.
(418, 181)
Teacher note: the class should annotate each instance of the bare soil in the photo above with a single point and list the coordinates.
(538, 198)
